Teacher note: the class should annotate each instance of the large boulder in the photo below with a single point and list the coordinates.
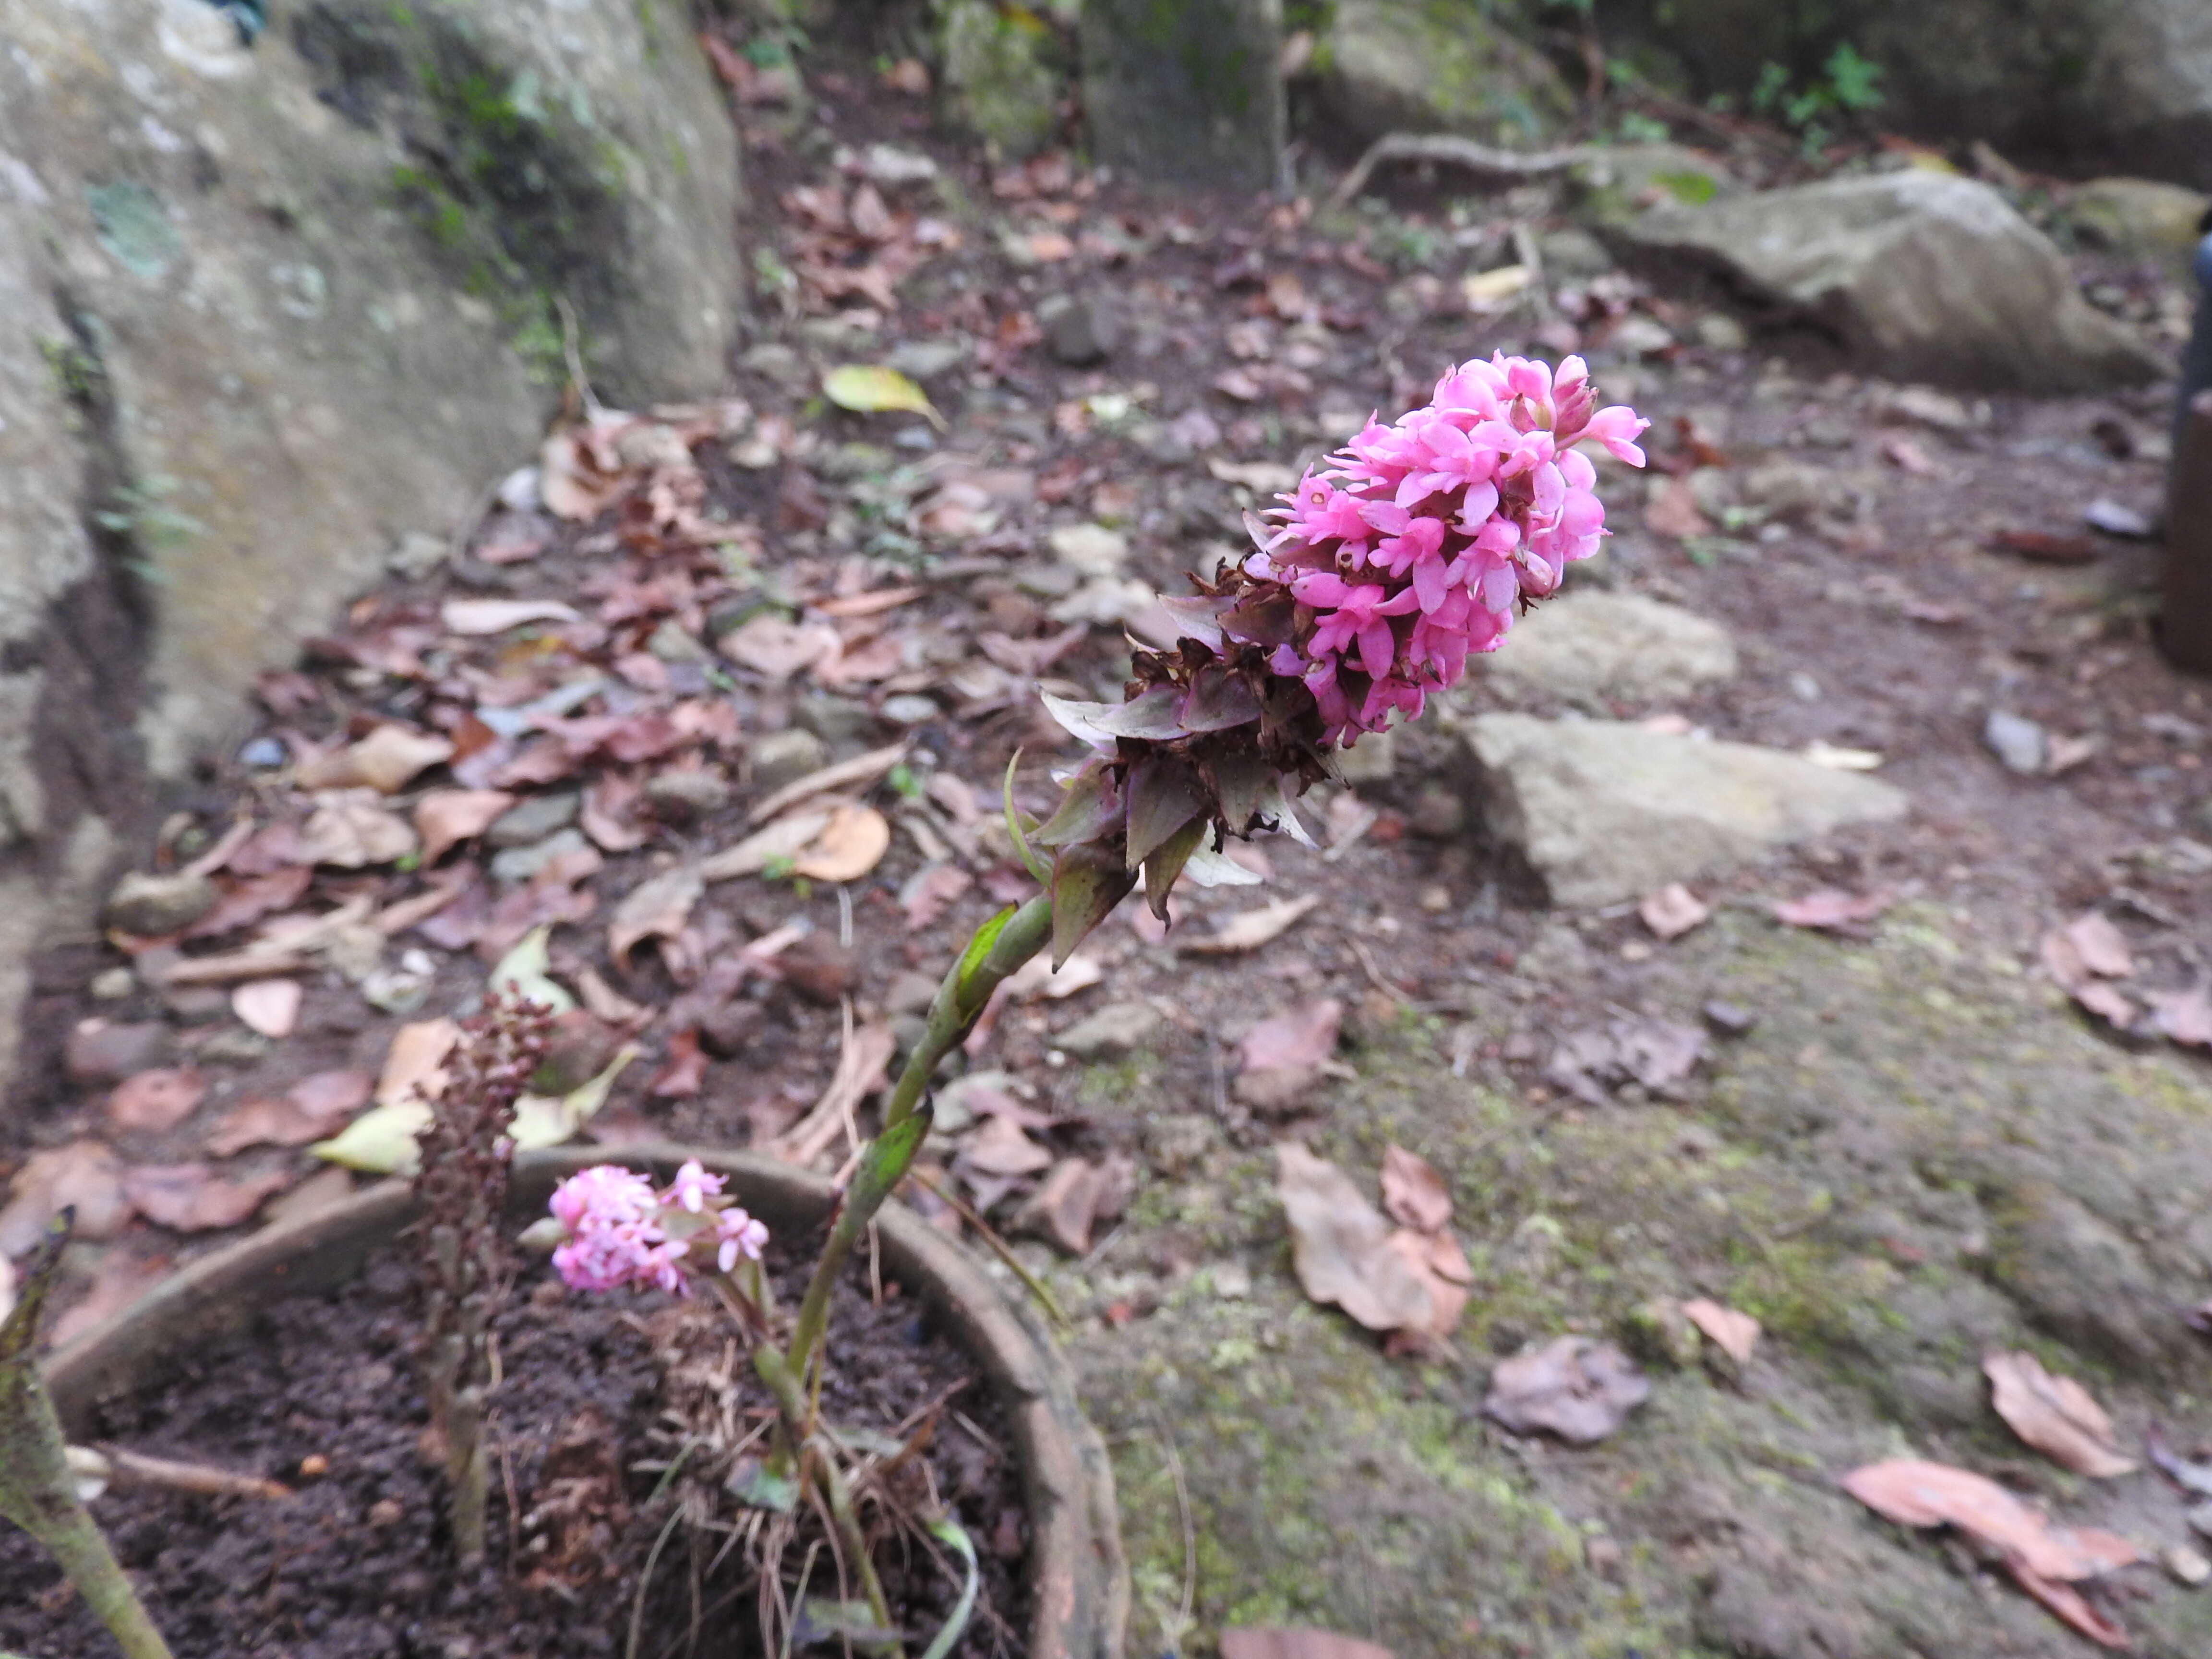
(1604, 811)
(2141, 218)
(1436, 66)
(1923, 276)
(1187, 94)
(273, 308)
(1592, 649)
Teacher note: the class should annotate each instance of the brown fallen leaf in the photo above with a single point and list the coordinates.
(851, 843)
(387, 761)
(478, 617)
(310, 1109)
(2069, 1605)
(85, 1175)
(1441, 1266)
(1294, 1642)
(1673, 911)
(843, 777)
(1413, 1194)
(2185, 1017)
(349, 830)
(446, 817)
(1340, 1246)
(1250, 929)
(1916, 1493)
(657, 908)
(414, 1065)
(1673, 511)
(1280, 1058)
(2102, 947)
(1658, 1054)
(1735, 1335)
(1065, 1206)
(931, 891)
(270, 1007)
(2062, 959)
(149, 1102)
(193, 1197)
(2056, 1415)
(1575, 1387)
(1834, 909)
(685, 1072)
(609, 814)
(771, 645)
(783, 839)
(252, 898)
(2046, 548)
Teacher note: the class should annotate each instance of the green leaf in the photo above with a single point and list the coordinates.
(977, 951)
(764, 1486)
(1030, 862)
(541, 1121)
(381, 1140)
(1167, 861)
(869, 391)
(947, 1531)
(524, 971)
(821, 1620)
(1087, 883)
(884, 1164)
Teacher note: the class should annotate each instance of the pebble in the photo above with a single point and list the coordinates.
(152, 906)
(690, 793)
(233, 1045)
(262, 754)
(838, 721)
(1717, 331)
(2186, 1565)
(1077, 331)
(532, 820)
(519, 863)
(112, 984)
(2018, 742)
(910, 708)
(97, 1051)
(1117, 1029)
(1727, 1019)
(924, 360)
(786, 756)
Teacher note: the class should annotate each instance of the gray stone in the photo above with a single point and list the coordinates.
(911, 993)
(152, 906)
(103, 1051)
(1117, 1029)
(1573, 254)
(924, 360)
(1186, 94)
(841, 722)
(416, 557)
(910, 708)
(532, 819)
(1003, 75)
(786, 756)
(2017, 741)
(519, 864)
(1605, 810)
(692, 792)
(1922, 275)
(2141, 218)
(1620, 181)
(1091, 548)
(1079, 330)
(1373, 759)
(1436, 66)
(1593, 649)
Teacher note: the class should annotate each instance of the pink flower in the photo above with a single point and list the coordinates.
(739, 1235)
(603, 1195)
(613, 1220)
(692, 1187)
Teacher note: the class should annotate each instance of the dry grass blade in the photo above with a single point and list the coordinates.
(862, 1059)
(855, 774)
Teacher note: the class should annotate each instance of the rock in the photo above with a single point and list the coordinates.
(1926, 276)
(1718, 331)
(519, 863)
(1003, 73)
(416, 557)
(786, 756)
(1922, 405)
(924, 360)
(683, 796)
(2141, 218)
(101, 1051)
(1078, 330)
(911, 709)
(1186, 94)
(532, 819)
(1594, 649)
(1115, 1030)
(841, 722)
(2019, 742)
(1436, 66)
(910, 992)
(1572, 254)
(1373, 759)
(1605, 810)
(155, 906)
(1091, 548)
(1623, 180)
(1791, 489)
(111, 984)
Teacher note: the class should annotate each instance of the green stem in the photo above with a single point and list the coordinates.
(1000, 946)
(836, 1491)
(76, 1543)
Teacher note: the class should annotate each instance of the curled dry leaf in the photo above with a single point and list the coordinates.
(657, 908)
(1250, 929)
(850, 844)
(1413, 1192)
(414, 1065)
(1075, 1197)
(1281, 1058)
(1673, 911)
(769, 645)
(2056, 1415)
(931, 891)
(387, 761)
(85, 1175)
(349, 830)
(2064, 960)
(1735, 1335)
(446, 817)
(270, 1007)
(782, 840)
(1340, 1246)
(306, 1111)
(1575, 1387)
(1441, 1266)
(193, 1197)
(485, 617)
(2185, 1016)
(1834, 909)
(151, 1103)
(1916, 1493)
(2102, 947)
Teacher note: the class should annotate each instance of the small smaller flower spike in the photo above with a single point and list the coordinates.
(620, 1231)
(692, 1186)
(1407, 551)
(739, 1235)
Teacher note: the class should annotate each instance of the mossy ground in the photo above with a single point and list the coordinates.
(1914, 1156)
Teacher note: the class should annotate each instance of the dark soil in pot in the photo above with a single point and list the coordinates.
(358, 1564)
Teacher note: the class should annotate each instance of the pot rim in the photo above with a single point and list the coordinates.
(1078, 1581)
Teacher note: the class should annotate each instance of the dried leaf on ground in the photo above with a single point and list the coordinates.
(657, 908)
(1340, 1246)
(270, 1007)
(1281, 1058)
(350, 831)
(2102, 947)
(1250, 929)
(306, 1111)
(2056, 1415)
(1673, 911)
(851, 842)
(381, 1140)
(446, 817)
(1075, 1197)
(85, 1175)
(2185, 1017)
(387, 761)
(1735, 1334)
(1441, 1266)
(195, 1198)
(1916, 1493)
(1413, 1194)
(414, 1065)
(609, 813)
(769, 645)
(1659, 1054)
(1268, 1642)
(930, 891)
(1038, 978)
(843, 777)
(684, 1073)
(252, 899)
(485, 617)
(153, 1101)
(780, 840)
(1673, 512)
(1575, 1387)
(863, 1061)
(2045, 547)
(1834, 909)
(555, 1119)
(2067, 964)
(867, 391)
(2069, 1606)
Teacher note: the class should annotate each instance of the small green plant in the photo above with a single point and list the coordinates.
(1848, 85)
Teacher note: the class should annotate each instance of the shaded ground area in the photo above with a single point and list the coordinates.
(1917, 1150)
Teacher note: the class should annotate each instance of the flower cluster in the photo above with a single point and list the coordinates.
(1411, 547)
(617, 1231)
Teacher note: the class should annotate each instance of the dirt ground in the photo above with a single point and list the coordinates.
(1919, 1149)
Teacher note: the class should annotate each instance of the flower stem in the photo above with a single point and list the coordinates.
(811, 1449)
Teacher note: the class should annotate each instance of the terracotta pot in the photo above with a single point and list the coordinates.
(1078, 1582)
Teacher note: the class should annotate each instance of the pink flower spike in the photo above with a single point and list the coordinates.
(1618, 427)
